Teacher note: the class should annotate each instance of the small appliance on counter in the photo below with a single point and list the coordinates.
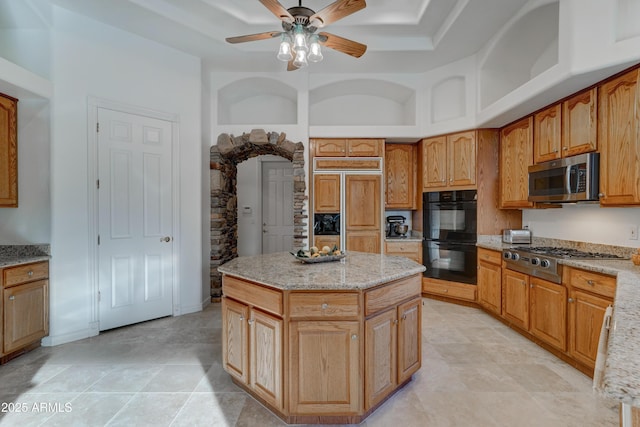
(396, 228)
(326, 224)
(516, 236)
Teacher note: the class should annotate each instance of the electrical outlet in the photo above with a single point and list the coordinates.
(633, 232)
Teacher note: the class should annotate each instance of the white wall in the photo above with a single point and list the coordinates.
(92, 59)
(584, 223)
(30, 222)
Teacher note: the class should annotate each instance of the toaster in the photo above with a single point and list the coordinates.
(516, 236)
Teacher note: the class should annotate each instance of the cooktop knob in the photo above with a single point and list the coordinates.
(545, 263)
(507, 255)
(515, 256)
(535, 261)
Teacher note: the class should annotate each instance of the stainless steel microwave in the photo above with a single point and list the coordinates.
(571, 179)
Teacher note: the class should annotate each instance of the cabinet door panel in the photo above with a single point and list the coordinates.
(266, 357)
(461, 151)
(381, 363)
(515, 298)
(235, 340)
(326, 193)
(26, 314)
(364, 147)
(490, 286)
(364, 241)
(409, 338)
(434, 163)
(619, 140)
(549, 312)
(579, 123)
(547, 134)
(8, 152)
(330, 147)
(516, 155)
(363, 202)
(399, 176)
(324, 358)
(586, 313)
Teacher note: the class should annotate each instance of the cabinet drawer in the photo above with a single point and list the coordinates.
(252, 294)
(593, 282)
(25, 273)
(490, 256)
(323, 305)
(450, 289)
(402, 247)
(391, 294)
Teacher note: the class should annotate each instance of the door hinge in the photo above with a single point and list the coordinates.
(97, 127)
(98, 239)
(97, 183)
(99, 296)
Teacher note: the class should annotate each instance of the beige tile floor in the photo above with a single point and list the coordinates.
(167, 372)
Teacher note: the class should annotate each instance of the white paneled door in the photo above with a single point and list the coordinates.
(135, 248)
(277, 207)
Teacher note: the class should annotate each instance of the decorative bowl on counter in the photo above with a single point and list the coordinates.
(314, 255)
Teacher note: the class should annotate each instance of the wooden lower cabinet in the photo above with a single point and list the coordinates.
(364, 241)
(327, 240)
(252, 349)
(324, 358)
(321, 356)
(515, 298)
(444, 288)
(490, 280)
(548, 310)
(409, 249)
(24, 309)
(586, 313)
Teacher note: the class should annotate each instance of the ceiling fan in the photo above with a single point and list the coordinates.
(299, 41)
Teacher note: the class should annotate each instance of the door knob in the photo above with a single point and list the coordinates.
(165, 239)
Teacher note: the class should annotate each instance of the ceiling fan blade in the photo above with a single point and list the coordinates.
(343, 45)
(291, 67)
(254, 37)
(279, 10)
(335, 11)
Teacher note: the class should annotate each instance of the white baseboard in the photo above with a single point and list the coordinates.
(53, 340)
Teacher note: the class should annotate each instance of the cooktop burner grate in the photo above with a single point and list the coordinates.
(567, 253)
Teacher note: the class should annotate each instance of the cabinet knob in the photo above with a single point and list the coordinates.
(570, 300)
(600, 195)
(565, 148)
(12, 297)
(250, 321)
(30, 273)
(395, 321)
(404, 317)
(354, 337)
(531, 286)
(446, 290)
(325, 306)
(241, 317)
(590, 282)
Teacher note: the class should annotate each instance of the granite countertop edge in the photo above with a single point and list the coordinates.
(15, 261)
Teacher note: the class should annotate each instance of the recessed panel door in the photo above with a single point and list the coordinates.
(277, 207)
(135, 250)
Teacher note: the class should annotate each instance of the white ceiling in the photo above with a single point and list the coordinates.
(402, 35)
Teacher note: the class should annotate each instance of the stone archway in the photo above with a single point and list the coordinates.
(224, 158)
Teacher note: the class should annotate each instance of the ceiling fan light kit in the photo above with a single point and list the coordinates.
(299, 43)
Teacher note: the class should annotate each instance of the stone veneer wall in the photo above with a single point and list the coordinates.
(224, 158)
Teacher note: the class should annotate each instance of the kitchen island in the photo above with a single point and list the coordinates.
(322, 343)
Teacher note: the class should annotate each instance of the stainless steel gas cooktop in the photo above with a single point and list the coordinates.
(542, 261)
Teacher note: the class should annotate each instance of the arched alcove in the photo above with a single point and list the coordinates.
(448, 99)
(224, 158)
(257, 100)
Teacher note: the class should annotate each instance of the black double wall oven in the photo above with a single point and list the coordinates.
(450, 233)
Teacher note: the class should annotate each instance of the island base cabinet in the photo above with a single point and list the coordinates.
(393, 350)
(326, 373)
(252, 350)
(25, 314)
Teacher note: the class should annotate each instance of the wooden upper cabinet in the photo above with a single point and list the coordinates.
(326, 193)
(619, 139)
(449, 162)
(8, 152)
(362, 202)
(516, 155)
(400, 176)
(580, 123)
(461, 150)
(347, 147)
(434, 163)
(547, 134)
(330, 147)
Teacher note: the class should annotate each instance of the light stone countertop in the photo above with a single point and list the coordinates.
(622, 368)
(356, 271)
(12, 255)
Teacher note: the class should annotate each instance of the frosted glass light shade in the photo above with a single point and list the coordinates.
(315, 52)
(301, 59)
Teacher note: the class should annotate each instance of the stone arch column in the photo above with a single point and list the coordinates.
(224, 158)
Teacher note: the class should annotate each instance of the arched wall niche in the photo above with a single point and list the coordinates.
(524, 50)
(448, 99)
(224, 158)
(362, 102)
(257, 100)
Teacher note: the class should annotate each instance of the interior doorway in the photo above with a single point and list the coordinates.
(277, 206)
